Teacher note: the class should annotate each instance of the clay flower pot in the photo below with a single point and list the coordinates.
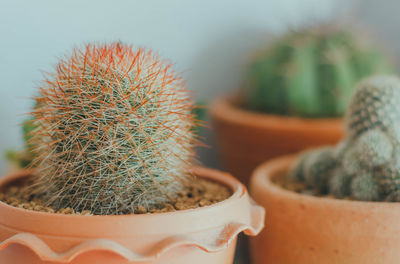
(306, 229)
(245, 138)
(202, 235)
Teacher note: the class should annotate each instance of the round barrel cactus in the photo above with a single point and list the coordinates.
(310, 73)
(113, 131)
(366, 164)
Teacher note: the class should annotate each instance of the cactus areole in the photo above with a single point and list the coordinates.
(310, 73)
(366, 164)
(113, 131)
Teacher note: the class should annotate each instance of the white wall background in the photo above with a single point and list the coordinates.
(208, 39)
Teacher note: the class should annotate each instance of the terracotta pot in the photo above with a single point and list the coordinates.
(245, 138)
(202, 235)
(306, 229)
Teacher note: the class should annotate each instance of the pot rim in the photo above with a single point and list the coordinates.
(226, 179)
(223, 108)
(146, 237)
(261, 182)
(190, 220)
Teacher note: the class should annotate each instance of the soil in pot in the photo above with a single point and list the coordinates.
(197, 193)
(286, 183)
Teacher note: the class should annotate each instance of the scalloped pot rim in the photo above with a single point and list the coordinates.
(58, 237)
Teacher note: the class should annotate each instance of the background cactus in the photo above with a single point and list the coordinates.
(114, 131)
(366, 164)
(310, 73)
(23, 158)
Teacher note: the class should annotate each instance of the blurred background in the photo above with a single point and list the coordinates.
(208, 40)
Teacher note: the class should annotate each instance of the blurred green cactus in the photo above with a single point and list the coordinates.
(366, 164)
(23, 158)
(310, 73)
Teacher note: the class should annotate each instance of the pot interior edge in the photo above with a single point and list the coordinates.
(278, 167)
(18, 178)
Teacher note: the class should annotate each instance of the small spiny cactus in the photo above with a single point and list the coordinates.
(339, 183)
(317, 166)
(376, 105)
(366, 164)
(114, 131)
(364, 186)
(310, 73)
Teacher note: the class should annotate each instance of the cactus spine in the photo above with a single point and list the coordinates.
(310, 73)
(114, 131)
(367, 161)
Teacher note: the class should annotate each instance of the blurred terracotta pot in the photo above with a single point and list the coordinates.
(202, 235)
(306, 229)
(245, 138)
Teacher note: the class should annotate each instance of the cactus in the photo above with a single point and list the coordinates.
(364, 187)
(310, 73)
(373, 148)
(367, 162)
(389, 178)
(297, 171)
(23, 158)
(339, 183)
(114, 131)
(376, 105)
(316, 167)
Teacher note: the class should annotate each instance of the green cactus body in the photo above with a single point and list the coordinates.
(373, 148)
(367, 161)
(275, 96)
(364, 187)
(310, 73)
(114, 131)
(376, 104)
(24, 158)
(298, 168)
(388, 177)
(339, 183)
(301, 80)
(317, 168)
(351, 163)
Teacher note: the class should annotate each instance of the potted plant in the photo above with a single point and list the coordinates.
(293, 97)
(338, 204)
(114, 180)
